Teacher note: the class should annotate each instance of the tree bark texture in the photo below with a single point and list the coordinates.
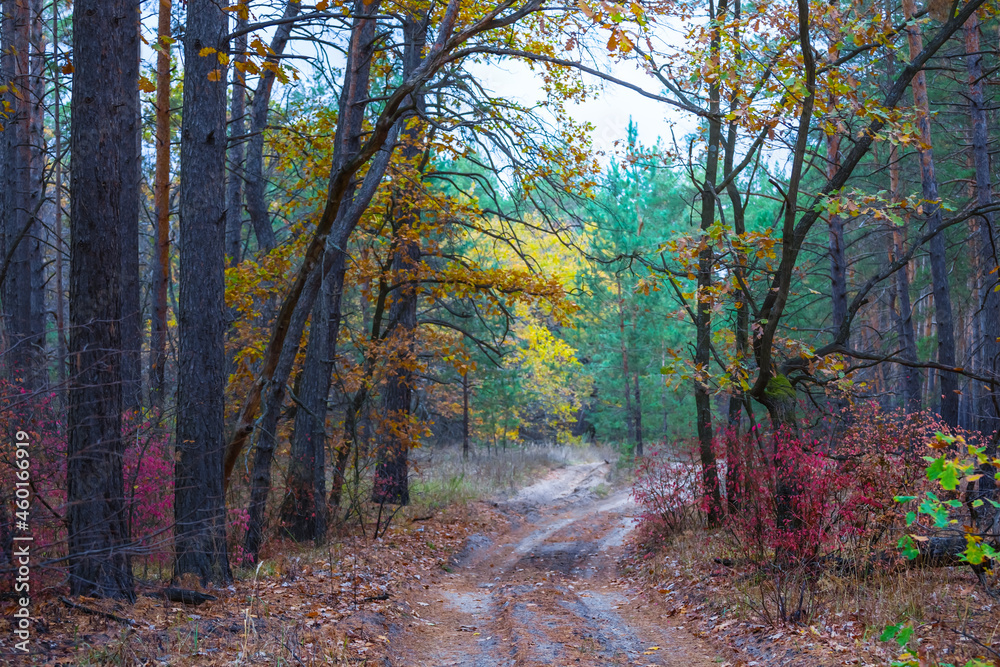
(103, 139)
(987, 411)
(199, 502)
(23, 304)
(131, 176)
(237, 146)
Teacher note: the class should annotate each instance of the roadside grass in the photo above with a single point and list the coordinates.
(440, 477)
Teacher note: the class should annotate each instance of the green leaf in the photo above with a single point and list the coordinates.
(949, 478)
(973, 554)
(935, 469)
(889, 632)
(908, 546)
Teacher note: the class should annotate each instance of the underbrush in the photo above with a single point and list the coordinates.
(811, 535)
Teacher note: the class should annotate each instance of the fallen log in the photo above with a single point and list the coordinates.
(96, 612)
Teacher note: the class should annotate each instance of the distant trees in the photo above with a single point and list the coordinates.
(21, 189)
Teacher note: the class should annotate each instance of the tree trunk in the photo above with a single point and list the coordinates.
(342, 205)
(304, 511)
(237, 142)
(987, 410)
(257, 207)
(161, 204)
(937, 245)
(343, 450)
(638, 416)
(131, 181)
(838, 260)
(199, 501)
(735, 466)
(60, 304)
(703, 313)
(629, 415)
(912, 380)
(22, 295)
(465, 415)
(102, 138)
(391, 467)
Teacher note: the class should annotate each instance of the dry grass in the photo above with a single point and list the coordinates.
(947, 608)
(440, 477)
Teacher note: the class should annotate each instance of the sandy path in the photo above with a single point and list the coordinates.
(545, 592)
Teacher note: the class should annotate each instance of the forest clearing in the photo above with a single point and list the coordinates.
(445, 332)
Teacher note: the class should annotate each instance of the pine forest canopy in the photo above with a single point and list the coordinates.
(254, 255)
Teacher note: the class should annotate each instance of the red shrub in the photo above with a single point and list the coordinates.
(668, 490)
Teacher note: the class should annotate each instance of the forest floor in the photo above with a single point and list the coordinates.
(541, 575)
(530, 580)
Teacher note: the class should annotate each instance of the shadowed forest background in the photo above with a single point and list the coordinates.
(263, 263)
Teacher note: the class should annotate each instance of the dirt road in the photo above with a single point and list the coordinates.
(546, 593)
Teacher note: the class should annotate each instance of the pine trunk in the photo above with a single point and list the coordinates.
(161, 203)
(237, 143)
(129, 205)
(22, 294)
(987, 409)
(199, 500)
(937, 246)
(912, 381)
(103, 139)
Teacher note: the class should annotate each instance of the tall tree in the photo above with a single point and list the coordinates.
(944, 320)
(706, 260)
(391, 468)
(60, 296)
(199, 501)
(304, 511)
(237, 142)
(260, 216)
(131, 181)
(161, 201)
(20, 273)
(103, 139)
(988, 410)
(911, 375)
